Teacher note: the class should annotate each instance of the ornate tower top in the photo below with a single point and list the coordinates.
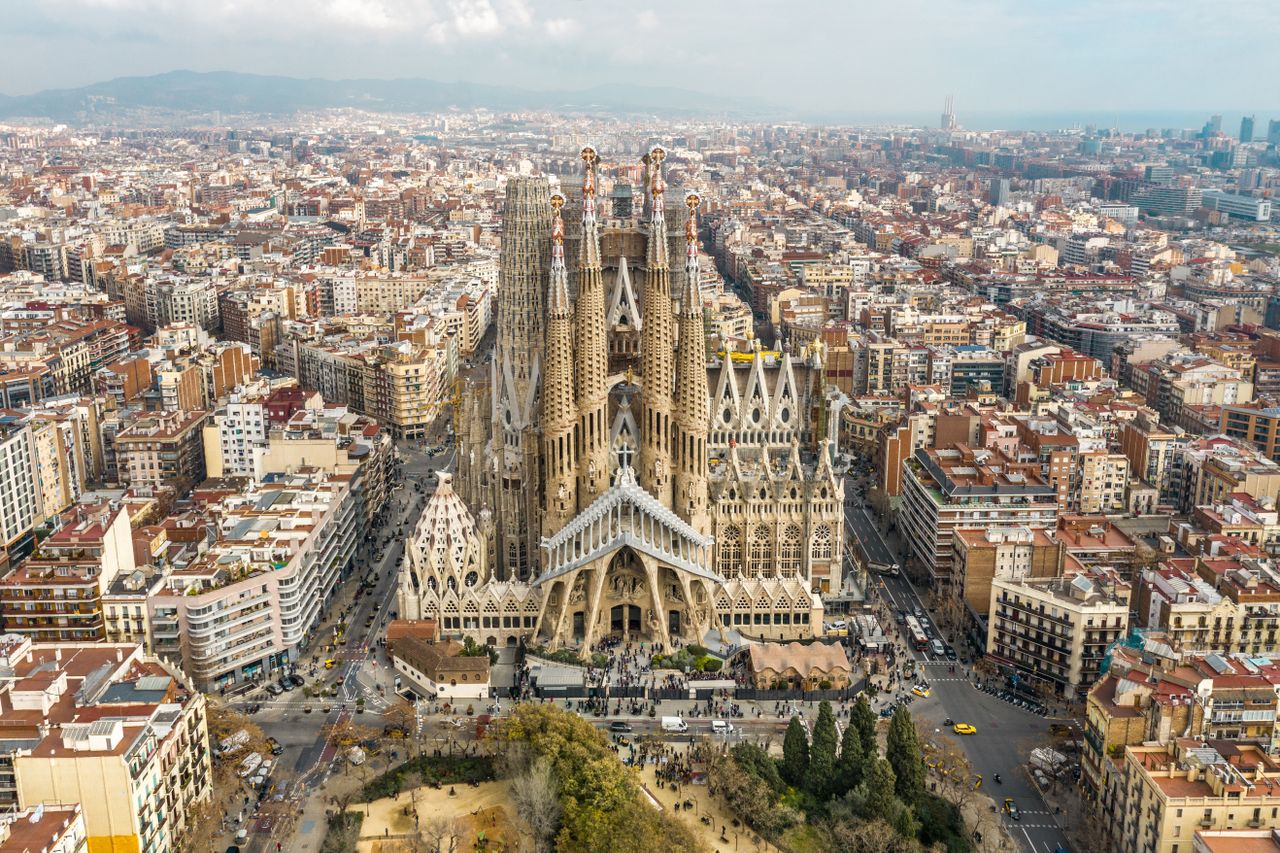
(589, 258)
(691, 233)
(656, 256)
(558, 299)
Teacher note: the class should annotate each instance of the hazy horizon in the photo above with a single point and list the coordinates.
(995, 56)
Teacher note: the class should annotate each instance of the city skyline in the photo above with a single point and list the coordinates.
(838, 69)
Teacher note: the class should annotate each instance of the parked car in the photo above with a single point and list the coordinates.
(619, 726)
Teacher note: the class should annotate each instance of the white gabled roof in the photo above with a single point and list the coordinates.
(626, 493)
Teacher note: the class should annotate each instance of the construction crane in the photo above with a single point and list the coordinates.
(454, 400)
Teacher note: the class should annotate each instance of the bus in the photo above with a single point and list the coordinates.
(918, 638)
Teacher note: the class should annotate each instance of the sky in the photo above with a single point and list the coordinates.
(843, 56)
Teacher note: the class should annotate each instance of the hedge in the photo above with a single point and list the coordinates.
(442, 770)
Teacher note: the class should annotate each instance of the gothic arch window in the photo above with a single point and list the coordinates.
(472, 579)
(730, 557)
(822, 543)
(452, 583)
(432, 584)
(789, 551)
(761, 551)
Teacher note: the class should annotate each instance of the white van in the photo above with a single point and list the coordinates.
(721, 727)
(674, 724)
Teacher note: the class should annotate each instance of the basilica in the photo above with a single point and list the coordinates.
(617, 476)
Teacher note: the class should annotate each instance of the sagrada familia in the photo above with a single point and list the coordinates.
(615, 478)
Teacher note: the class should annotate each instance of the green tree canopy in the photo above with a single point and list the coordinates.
(795, 754)
(902, 749)
(850, 767)
(822, 753)
(864, 720)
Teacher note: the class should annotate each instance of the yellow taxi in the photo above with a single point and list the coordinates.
(964, 729)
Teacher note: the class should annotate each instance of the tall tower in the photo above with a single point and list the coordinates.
(559, 412)
(517, 375)
(592, 353)
(691, 391)
(656, 344)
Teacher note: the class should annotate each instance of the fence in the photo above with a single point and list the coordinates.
(753, 694)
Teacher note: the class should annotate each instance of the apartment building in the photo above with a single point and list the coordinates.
(242, 608)
(20, 502)
(1215, 467)
(163, 449)
(235, 436)
(1103, 482)
(1224, 600)
(1153, 453)
(404, 385)
(1147, 697)
(1167, 794)
(52, 829)
(109, 728)
(983, 554)
(1055, 631)
(1241, 517)
(1256, 424)
(57, 595)
(963, 487)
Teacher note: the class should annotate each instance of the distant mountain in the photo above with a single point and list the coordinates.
(231, 92)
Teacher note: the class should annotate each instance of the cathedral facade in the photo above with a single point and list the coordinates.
(615, 478)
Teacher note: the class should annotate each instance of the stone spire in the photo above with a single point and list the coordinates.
(691, 390)
(592, 352)
(517, 374)
(559, 411)
(656, 345)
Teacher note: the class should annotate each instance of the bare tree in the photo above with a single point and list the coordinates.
(537, 800)
(436, 829)
(454, 833)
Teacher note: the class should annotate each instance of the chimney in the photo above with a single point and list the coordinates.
(119, 655)
(57, 654)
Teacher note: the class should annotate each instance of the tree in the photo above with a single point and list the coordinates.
(755, 760)
(534, 794)
(472, 649)
(849, 834)
(878, 500)
(347, 733)
(400, 717)
(879, 787)
(849, 767)
(902, 749)
(822, 754)
(436, 829)
(864, 720)
(795, 753)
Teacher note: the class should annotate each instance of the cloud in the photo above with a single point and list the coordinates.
(475, 18)
(560, 28)
(647, 20)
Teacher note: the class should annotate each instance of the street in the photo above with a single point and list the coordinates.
(1006, 733)
(301, 724)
